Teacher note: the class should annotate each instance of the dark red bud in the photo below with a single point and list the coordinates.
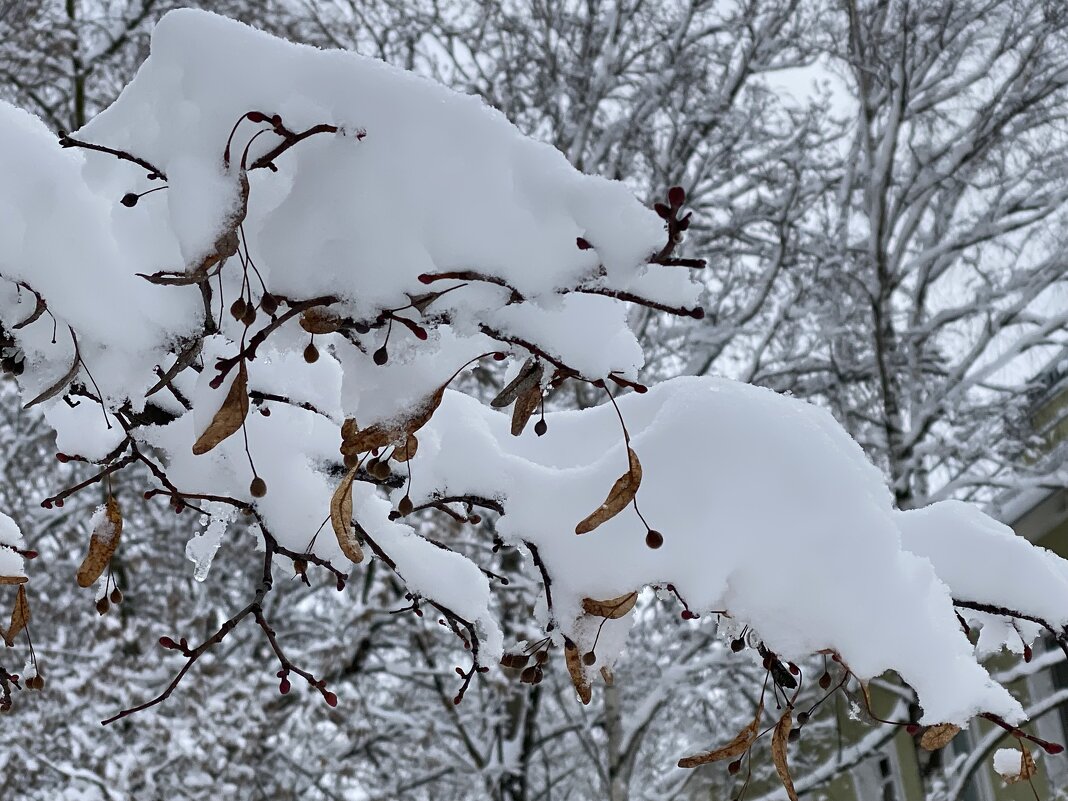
(676, 196)
(256, 116)
(381, 356)
(129, 200)
(284, 686)
(583, 244)
(330, 698)
(662, 210)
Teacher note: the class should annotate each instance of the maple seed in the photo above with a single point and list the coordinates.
(116, 596)
(258, 488)
(589, 658)
(129, 200)
(654, 539)
(540, 428)
(237, 309)
(102, 606)
(381, 356)
(311, 354)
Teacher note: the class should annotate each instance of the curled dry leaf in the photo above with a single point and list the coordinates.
(936, 737)
(20, 616)
(102, 544)
(525, 405)
(39, 308)
(622, 493)
(383, 434)
(230, 416)
(578, 674)
(61, 384)
(341, 519)
(318, 320)
(529, 376)
(613, 608)
(735, 748)
(185, 358)
(779, 740)
(406, 451)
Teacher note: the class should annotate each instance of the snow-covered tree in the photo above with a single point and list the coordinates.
(270, 341)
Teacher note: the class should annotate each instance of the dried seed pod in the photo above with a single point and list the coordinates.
(320, 321)
(311, 354)
(405, 506)
(654, 539)
(102, 544)
(237, 309)
(258, 487)
(116, 596)
(269, 304)
(102, 605)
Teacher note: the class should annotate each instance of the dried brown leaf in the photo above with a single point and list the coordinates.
(613, 608)
(607, 675)
(529, 376)
(39, 308)
(102, 544)
(20, 616)
(406, 451)
(231, 414)
(185, 358)
(578, 674)
(735, 748)
(381, 435)
(13, 579)
(341, 519)
(936, 737)
(60, 385)
(779, 740)
(622, 493)
(525, 406)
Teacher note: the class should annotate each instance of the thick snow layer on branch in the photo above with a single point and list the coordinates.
(769, 511)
